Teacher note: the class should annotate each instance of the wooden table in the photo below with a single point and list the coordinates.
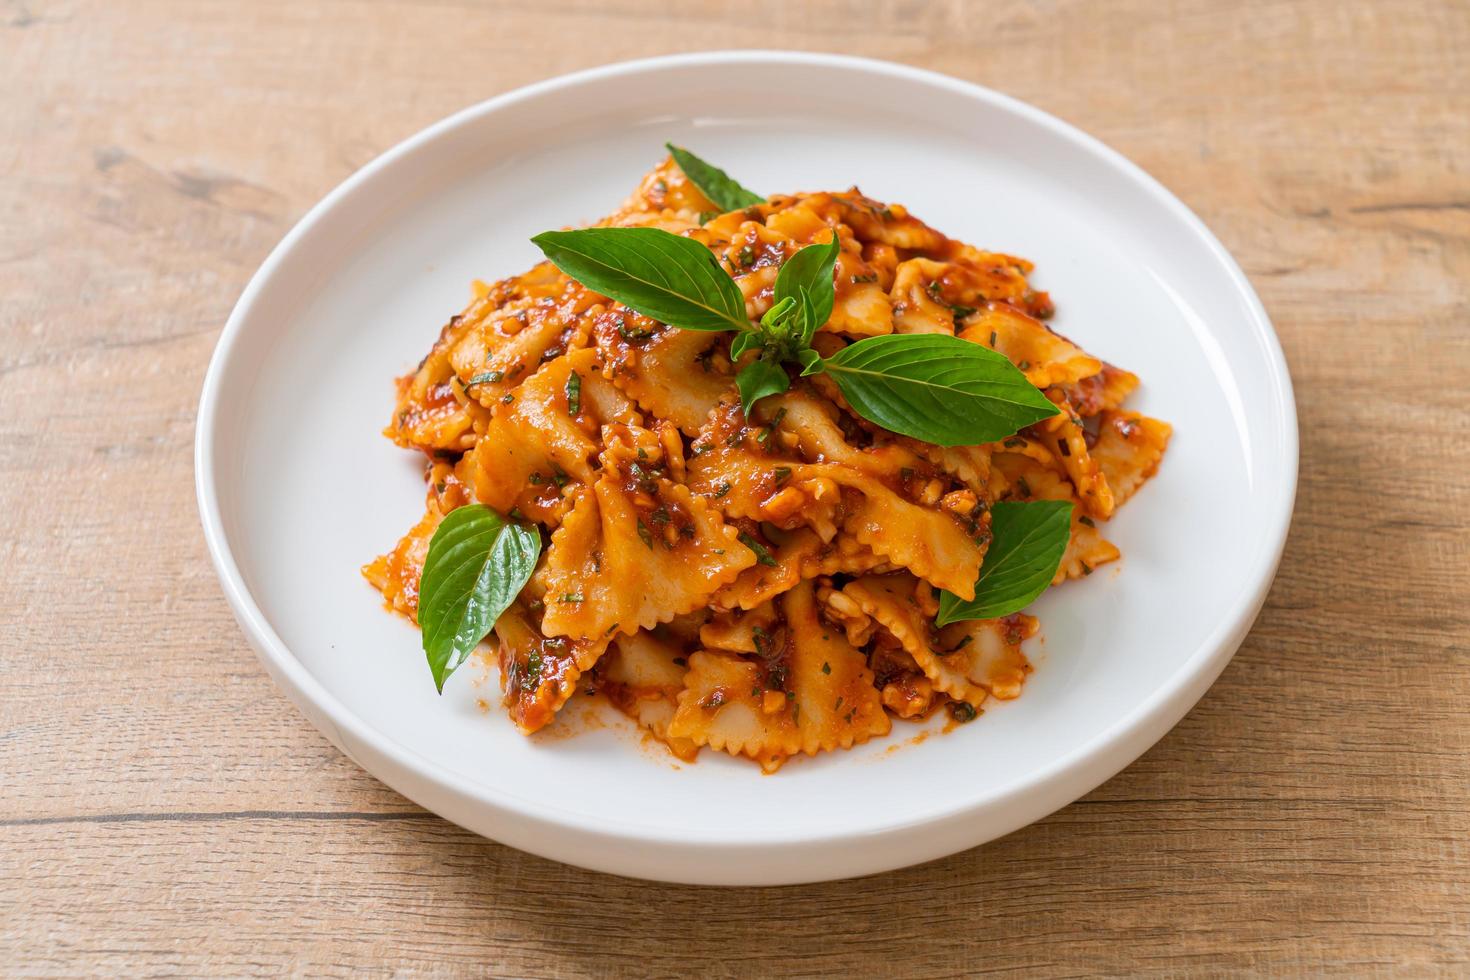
(165, 809)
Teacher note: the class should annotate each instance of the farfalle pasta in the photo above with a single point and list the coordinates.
(759, 582)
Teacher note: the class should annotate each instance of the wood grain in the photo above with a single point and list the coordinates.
(164, 810)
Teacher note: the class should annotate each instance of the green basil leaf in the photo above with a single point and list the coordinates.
(1027, 541)
(807, 278)
(809, 322)
(775, 318)
(723, 192)
(476, 566)
(744, 341)
(758, 379)
(936, 388)
(672, 279)
(811, 362)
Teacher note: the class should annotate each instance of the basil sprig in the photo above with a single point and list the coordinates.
(802, 303)
(932, 387)
(1027, 541)
(722, 190)
(807, 278)
(476, 566)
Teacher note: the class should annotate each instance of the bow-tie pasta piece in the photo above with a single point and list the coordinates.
(643, 675)
(899, 605)
(635, 552)
(1045, 357)
(804, 690)
(1129, 448)
(542, 444)
(679, 375)
(538, 673)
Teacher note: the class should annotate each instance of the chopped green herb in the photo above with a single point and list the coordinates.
(772, 426)
(634, 332)
(961, 711)
(644, 536)
(1084, 519)
(574, 393)
(762, 556)
(723, 489)
(643, 478)
(488, 376)
(870, 277)
(536, 479)
(826, 667)
(746, 257)
(571, 597)
(507, 399)
(782, 474)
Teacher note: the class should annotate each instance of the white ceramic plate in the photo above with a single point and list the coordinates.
(297, 488)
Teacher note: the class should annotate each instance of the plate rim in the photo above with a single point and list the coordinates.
(1081, 769)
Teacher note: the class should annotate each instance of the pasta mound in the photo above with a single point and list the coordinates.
(763, 585)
